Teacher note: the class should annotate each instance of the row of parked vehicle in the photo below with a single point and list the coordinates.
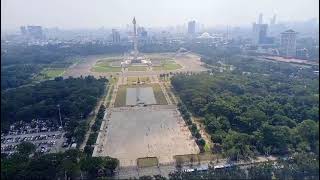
(30, 138)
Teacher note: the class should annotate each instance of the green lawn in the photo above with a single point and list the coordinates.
(158, 94)
(121, 97)
(167, 65)
(105, 69)
(147, 162)
(111, 58)
(207, 148)
(104, 66)
(108, 98)
(137, 68)
(103, 63)
(169, 93)
(131, 80)
(49, 73)
(122, 93)
(54, 72)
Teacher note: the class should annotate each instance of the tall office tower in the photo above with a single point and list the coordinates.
(260, 18)
(23, 30)
(142, 33)
(115, 36)
(273, 20)
(191, 27)
(288, 43)
(259, 33)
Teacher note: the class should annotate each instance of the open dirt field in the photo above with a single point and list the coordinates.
(156, 131)
(189, 62)
(83, 67)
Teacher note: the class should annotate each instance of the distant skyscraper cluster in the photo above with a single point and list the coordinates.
(32, 31)
(260, 32)
(142, 32)
(115, 36)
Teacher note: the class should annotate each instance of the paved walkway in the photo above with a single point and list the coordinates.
(174, 98)
(115, 91)
(165, 93)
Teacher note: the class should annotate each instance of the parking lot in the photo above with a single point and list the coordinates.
(45, 141)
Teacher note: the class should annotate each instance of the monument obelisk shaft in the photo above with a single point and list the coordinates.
(135, 40)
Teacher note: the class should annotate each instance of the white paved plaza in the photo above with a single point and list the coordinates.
(138, 132)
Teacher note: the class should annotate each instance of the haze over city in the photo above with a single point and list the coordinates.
(73, 14)
(159, 89)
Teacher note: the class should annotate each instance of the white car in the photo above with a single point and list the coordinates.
(188, 170)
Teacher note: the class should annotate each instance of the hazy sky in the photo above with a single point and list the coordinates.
(111, 13)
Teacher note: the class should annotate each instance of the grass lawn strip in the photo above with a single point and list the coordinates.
(147, 162)
(137, 68)
(167, 65)
(121, 96)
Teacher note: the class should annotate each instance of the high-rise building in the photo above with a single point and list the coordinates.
(115, 36)
(191, 27)
(23, 30)
(35, 32)
(142, 33)
(259, 33)
(260, 18)
(288, 43)
(273, 20)
(302, 53)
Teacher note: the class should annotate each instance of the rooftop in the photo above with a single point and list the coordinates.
(289, 31)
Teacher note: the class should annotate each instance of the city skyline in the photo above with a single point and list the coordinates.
(116, 13)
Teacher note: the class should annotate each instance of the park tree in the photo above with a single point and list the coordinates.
(26, 148)
(278, 137)
(237, 145)
(261, 171)
(281, 120)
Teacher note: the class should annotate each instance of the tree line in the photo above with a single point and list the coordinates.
(192, 126)
(28, 164)
(88, 149)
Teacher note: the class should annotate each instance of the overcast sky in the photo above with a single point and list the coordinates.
(69, 14)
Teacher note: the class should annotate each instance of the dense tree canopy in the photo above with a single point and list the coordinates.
(273, 111)
(70, 164)
(76, 97)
